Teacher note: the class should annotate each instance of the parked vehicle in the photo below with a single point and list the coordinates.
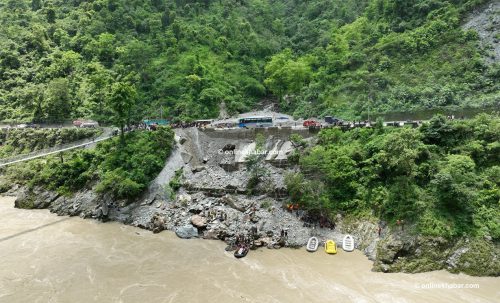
(332, 120)
(311, 123)
(33, 125)
(89, 124)
(85, 123)
(255, 122)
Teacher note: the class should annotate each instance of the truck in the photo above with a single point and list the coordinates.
(311, 123)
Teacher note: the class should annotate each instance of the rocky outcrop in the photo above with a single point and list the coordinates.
(485, 20)
(408, 252)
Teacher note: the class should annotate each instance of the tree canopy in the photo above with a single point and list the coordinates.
(60, 58)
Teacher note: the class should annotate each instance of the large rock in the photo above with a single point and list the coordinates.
(157, 223)
(36, 198)
(388, 249)
(199, 221)
(186, 232)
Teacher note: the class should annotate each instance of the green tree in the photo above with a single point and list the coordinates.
(56, 104)
(121, 100)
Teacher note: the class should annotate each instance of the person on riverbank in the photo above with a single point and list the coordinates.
(400, 223)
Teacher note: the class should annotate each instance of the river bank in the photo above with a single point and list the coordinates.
(263, 220)
(111, 262)
(203, 192)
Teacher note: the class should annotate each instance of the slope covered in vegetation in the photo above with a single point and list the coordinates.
(60, 58)
(121, 168)
(442, 177)
(21, 141)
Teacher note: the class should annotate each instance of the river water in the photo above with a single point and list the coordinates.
(46, 258)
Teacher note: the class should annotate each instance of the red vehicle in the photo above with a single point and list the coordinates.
(311, 123)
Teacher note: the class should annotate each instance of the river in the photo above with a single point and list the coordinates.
(46, 258)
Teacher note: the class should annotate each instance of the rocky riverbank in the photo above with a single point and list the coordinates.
(213, 201)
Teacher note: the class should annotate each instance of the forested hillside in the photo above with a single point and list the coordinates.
(63, 59)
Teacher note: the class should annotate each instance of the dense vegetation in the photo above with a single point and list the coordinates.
(444, 177)
(16, 141)
(121, 169)
(63, 59)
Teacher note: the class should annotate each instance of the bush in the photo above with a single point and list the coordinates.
(427, 176)
(124, 171)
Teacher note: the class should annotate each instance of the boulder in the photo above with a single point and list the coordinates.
(199, 221)
(388, 249)
(157, 223)
(186, 232)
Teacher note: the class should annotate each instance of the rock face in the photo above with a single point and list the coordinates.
(485, 20)
(186, 232)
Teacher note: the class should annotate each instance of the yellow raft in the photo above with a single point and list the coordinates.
(330, 247)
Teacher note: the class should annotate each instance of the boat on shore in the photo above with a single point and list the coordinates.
(348, 243)
(330, 247)
(312, 244)
(241, 251)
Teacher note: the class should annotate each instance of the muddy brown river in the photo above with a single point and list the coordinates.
(46, 258)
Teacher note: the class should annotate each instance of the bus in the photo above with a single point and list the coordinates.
(255, 122)
(149, 122)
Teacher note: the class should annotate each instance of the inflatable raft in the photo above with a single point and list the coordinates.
(330, 247)
(348, 243)
(241, 252)
(312, 244)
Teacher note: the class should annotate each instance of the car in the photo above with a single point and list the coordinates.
(22, 125)
(89, 124)
(33, 125)
(332, 120)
